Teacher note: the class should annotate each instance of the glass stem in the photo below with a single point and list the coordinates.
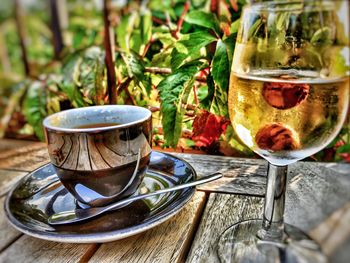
(273, 222)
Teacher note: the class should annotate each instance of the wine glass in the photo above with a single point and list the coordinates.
(288, 99)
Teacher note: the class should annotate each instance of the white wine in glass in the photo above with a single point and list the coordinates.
(287, 117)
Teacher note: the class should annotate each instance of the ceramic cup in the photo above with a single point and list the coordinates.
(100, 153)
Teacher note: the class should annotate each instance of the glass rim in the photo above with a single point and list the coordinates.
(296, 5)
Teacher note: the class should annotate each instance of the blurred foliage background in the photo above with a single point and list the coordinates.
(172, 56)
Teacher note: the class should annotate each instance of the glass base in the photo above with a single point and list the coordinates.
(239, 243)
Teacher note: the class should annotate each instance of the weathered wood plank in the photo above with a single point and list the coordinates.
(314, 192)
(221, 211)
(10, 144)
(8, 179)
(241, 176)
(248, 176)
(318, 202)
(169, 242)
(8, 234)
(29, 249)
(26, 158)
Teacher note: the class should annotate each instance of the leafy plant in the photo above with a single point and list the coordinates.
(171, 56)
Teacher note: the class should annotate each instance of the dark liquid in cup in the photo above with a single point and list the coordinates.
(105, 182)
(96, 125)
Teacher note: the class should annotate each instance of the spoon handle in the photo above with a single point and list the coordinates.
(203, 180)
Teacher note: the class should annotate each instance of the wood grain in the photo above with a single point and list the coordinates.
(8, 233)
(8, 179)
(29, 249)
(26, 158)
(248, 176)
(241, 176)
(221, 211)
(167, 242)
(318, 202)
(10, 144)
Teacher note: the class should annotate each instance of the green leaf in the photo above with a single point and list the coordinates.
(174, 93)
(134, 65)
(70, 80)
(235, 142)
(84, 80)
(338, 63)
(344, 149)
(145, 26)
(178, 59)
(207, 101)
(254, 29)
(188, 48)
(322, 36)
(201, 18)
(235, 26)
(230, 42)
(91, 77)
(34, 107)
(12, 104)
(219, 103)
(73, 94)
(165, 38)
(196, 40)
(221, 75)
(163, 59)
(135, 41)
(220, 66)
(125, 29)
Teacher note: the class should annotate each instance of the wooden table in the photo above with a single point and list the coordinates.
(318, 202)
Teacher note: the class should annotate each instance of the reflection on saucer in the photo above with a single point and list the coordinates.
(41, 194)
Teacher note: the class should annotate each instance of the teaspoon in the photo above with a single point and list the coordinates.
(78, 215)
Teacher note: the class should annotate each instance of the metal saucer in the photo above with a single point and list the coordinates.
(40, 194)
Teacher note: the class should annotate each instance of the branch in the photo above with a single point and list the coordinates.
(185, 133)
(131, 97)
(215, 7)
(158, 21)
(149, 43)
(201, 79)
(165, 71)
(181, 20)
(234, 5)
(157, 70)
(195, 94)
(4, 55)
(189, 107)
(124, 86)
(57, 93)
(21, 36)
(56, 28)
(109, 57)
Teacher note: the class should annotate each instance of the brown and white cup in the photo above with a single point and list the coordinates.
(100, 153)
